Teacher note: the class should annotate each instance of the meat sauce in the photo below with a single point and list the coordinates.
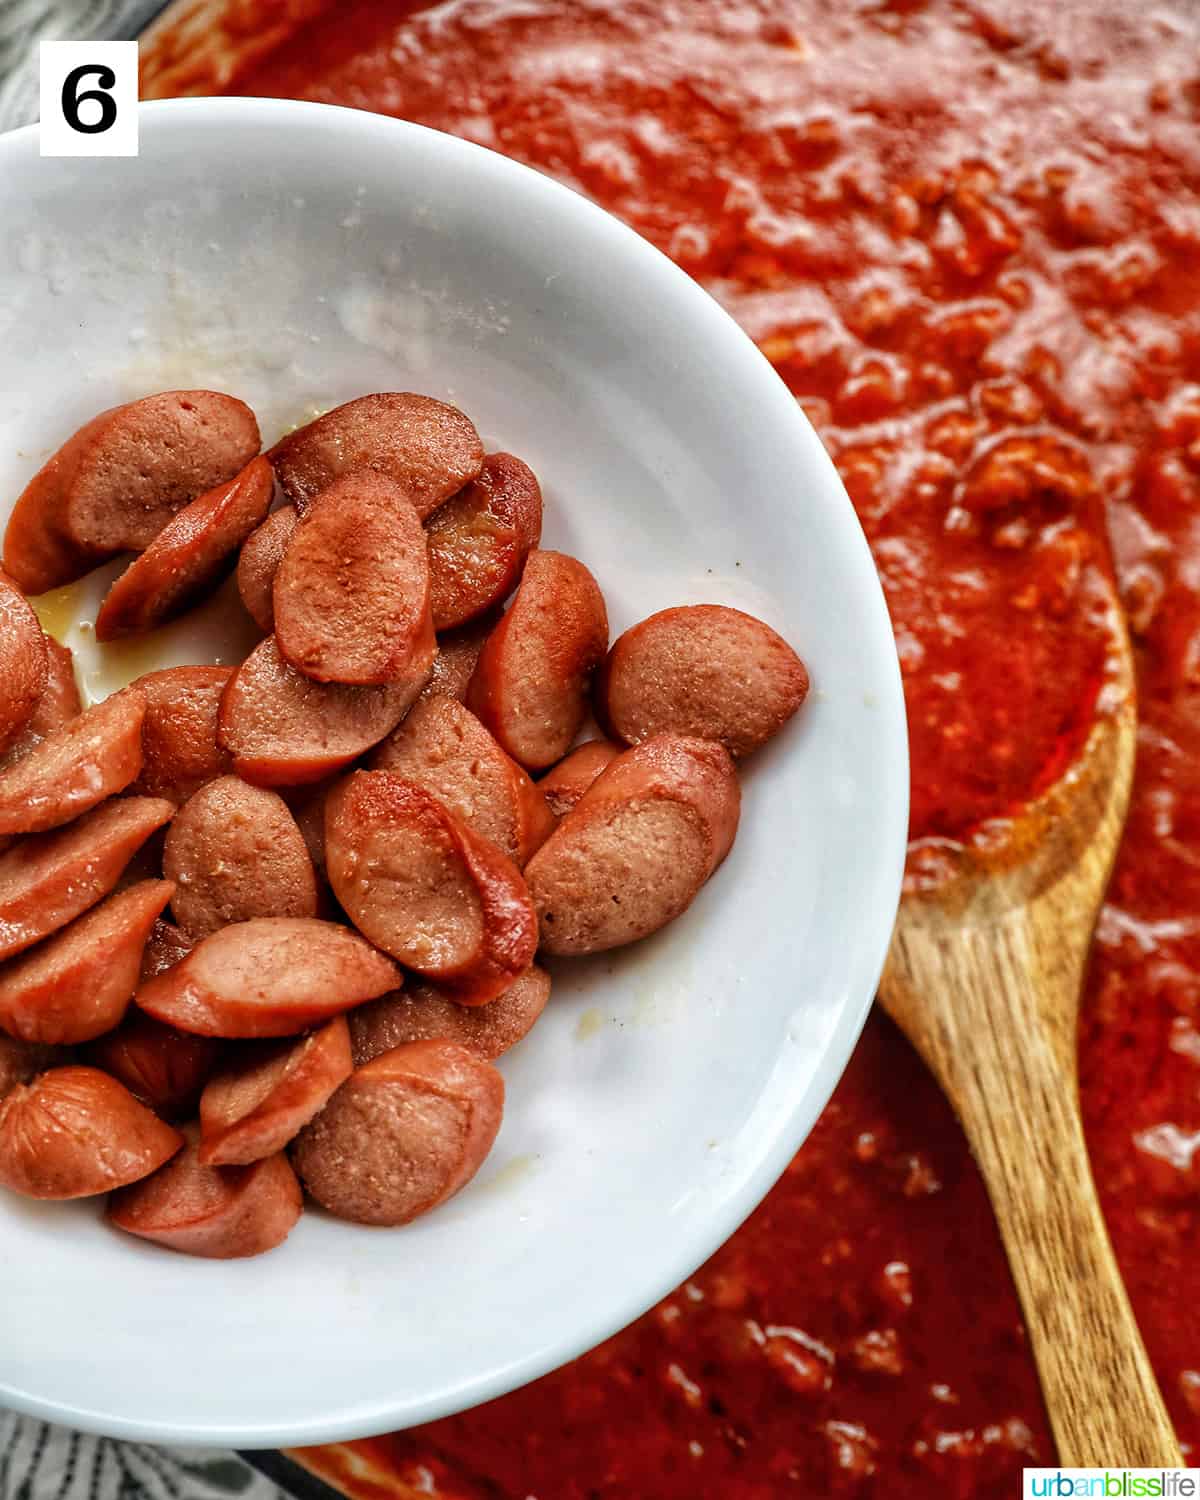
(967, 235)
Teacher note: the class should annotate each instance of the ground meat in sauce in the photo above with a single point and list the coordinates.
(967, 234)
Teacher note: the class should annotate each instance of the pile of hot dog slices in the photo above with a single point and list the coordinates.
(359, 865)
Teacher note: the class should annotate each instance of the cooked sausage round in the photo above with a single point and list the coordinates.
(76, 767)
(426, 446)
(75, 1132)
(479, 540)
(458, 651)
(638, 846)
(563, 786)
(23, 653)
(49, 879)
(402, 1134)
(188, 557)
(283, 729)
(179, 733)
(21, 1061)
(531, 680)
(145, 461)
(422, 1013)
(443, 747)
(270, 1091)
(425, 888)
(702, 670)
(234, 852)
(58, 705)
(307, 806)
(161, 1066)
(272, 976)
(261, 554)
(352, 590)
(218, 1213)
(76, 985)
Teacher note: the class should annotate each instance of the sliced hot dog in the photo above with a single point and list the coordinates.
(234, 852)
(75, 986)
(75, 1132)
(402, 1134)
(308, 808)
(23, 658)
(283, 729)
(261, 554)
(429, 448)
(188, 557)
(254, 1107)
(637, 847)
(76, 767)
(179, 733)
(163, 1067)
(422, 1013)
(58, 704)
(218, 1213)
(272, 976)
(21, 1061)
(352, 590)
(458, 651)
(443, 747)
(531, 680)
(165, 946)
(48, 880)
(702, 670)
(423, 887)
(479, 540)
(563, 786)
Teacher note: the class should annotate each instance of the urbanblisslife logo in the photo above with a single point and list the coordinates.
(1119, 1484)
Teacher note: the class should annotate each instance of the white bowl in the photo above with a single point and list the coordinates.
(297, 255)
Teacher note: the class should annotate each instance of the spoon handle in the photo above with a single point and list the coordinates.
(1002, 1045)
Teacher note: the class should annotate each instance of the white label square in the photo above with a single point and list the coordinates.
(89, 96)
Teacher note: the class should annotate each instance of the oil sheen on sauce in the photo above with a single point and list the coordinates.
(967, 235)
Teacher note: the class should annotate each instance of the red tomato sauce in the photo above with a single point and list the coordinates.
(967, 235)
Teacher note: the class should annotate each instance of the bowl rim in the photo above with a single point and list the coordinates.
(707, 320)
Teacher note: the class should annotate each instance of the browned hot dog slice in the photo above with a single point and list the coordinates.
(273, 976)
(48, 880)
(76, 985)
(429, 448)
(179, 733)
(58, 704)
(458, 651)
(23, 662)
(165, 946)
(563, 786)
(163, 1067)
(21, 1061)
(188, 557)
(637, 847)
(76, 767)
(234, 852)
(479, 540)
(531, 680)
(402, 1134)
(261, 554)
(443, 747)
(270, 1092)
(283, 729)
(218, 1213)
(702, 670)
(352, 590)
(422, 1013)
(425, 888)
(115, 485)
(75, 1132)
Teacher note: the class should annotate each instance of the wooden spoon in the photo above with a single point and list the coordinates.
(984, 976)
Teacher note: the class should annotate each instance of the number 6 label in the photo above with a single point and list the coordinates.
(89, 98)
